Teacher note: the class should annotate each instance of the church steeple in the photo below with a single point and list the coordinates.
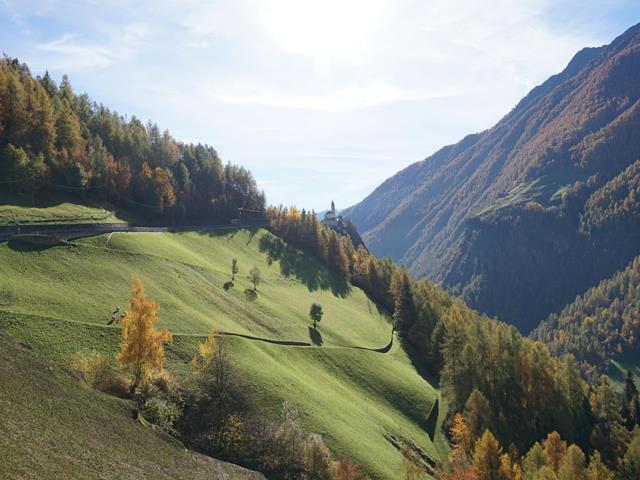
(333, 207)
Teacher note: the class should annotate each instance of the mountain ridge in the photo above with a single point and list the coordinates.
(562, 132)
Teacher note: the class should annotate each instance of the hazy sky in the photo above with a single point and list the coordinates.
(320, 99)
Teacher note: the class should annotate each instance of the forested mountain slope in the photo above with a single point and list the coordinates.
(54, 140)
(601, 324)
(506, 217)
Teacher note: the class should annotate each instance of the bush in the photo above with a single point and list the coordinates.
(161, 413)
(160, 402)
(97, 371)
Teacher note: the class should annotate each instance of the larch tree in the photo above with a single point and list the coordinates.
(206, 351)
(573, 465)
(597, 470)
(487, 457)
(141, 345)
(554, 450)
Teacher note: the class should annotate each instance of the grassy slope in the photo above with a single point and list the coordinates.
(619, 367)
(59, 299)
(50, 208)
(66, 430)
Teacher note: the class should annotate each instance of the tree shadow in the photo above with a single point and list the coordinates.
(418, 362)
(228, 285)
(432, 420)
(250, 294)
(28, 246)
(295, 263)
(315, 336)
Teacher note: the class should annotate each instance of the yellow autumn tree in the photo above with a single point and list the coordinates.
(487, 457)
(141, 345)
(461, 445)
(205, 353)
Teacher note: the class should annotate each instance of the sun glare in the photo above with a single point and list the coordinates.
(325, 30)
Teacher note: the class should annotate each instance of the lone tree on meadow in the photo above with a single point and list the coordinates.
(141, 345)
(234, 268)
(254, 276)
(315, 314)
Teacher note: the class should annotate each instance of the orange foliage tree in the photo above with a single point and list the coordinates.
(141, 345)
(345, 470)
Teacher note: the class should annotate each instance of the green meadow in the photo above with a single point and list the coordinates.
(49, 208)
(52, 422)
(60, 299)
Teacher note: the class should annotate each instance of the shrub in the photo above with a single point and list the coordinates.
(98, 372)
(160, 401)
(161, 413)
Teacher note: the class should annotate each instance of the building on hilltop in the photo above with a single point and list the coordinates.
(342, 225)
(331, 219)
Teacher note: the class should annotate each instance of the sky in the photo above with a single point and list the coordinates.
(321, 100)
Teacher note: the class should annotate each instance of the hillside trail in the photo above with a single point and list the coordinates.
(285, 343)
(288, 343)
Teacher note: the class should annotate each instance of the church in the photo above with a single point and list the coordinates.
(330, 218)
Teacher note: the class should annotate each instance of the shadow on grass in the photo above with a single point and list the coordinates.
(28, 246)
(228, 285)
(309, 271)
(418, 363)
(250, 294)
(432, 420)
(315, 336)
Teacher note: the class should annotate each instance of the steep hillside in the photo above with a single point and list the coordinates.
(53, 426)
(497, 217)
(601, 325)
(60, 299)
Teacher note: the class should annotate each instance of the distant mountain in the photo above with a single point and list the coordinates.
(522, 217)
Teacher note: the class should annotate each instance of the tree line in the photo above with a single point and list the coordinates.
(497, 379)
(483, 458)
(53, 139)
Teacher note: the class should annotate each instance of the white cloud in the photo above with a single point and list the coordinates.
(348, 98)
(73, 52)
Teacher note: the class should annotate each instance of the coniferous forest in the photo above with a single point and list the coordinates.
(52, 139)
